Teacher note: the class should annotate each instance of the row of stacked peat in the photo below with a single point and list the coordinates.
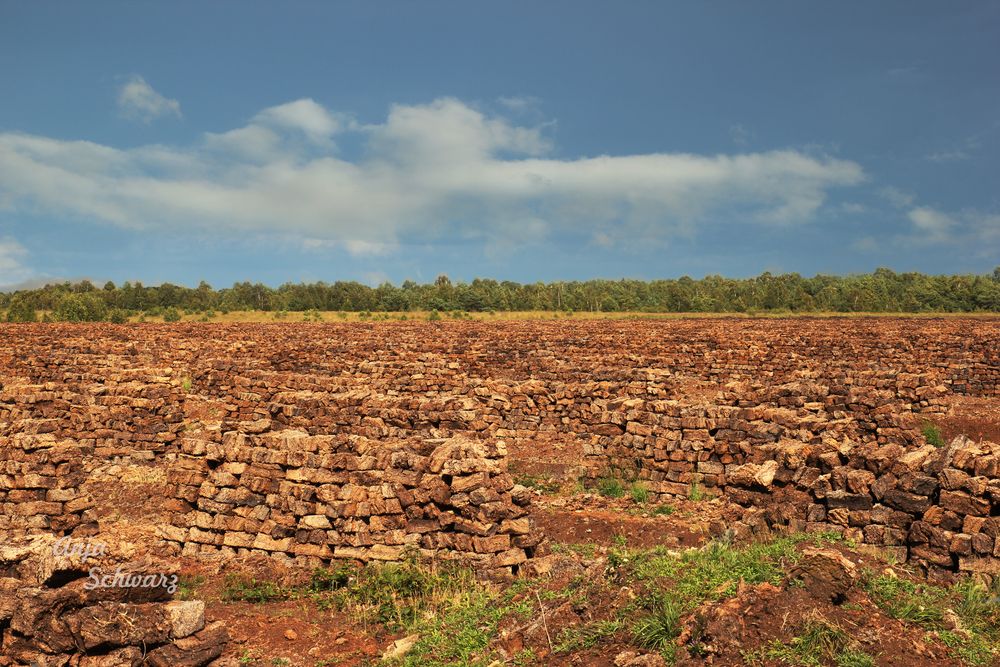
(313, 498)
(936, 506)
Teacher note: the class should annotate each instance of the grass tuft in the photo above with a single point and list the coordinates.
(932, 434)
(610, 487)
(239, 588)
(975, 606)
(639, 492)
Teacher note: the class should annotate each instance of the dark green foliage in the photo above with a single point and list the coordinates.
(86, 307)
(171, 315)
(118, 316)
(21, 310)
(881, 291)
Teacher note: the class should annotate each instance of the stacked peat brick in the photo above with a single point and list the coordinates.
(301, 439)
(288, 494)
(52, 614)
(939, 507)
(40, 480)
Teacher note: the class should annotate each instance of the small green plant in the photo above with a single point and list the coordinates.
(434, 316)
(664, 509)
(238, 588)
(821, 642)
(187, 585)
(186, 385)
(639, 492)
(525, 657)
(932, 434)
(118, 316)
(660, 626)
(696, 493)
(586, 636)
(171, 315)
(927, 605)
(610, 487)
(329, 579)
(543, 484)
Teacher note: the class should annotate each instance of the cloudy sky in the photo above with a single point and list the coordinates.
(529, 141)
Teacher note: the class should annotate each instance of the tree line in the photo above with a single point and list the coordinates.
(881, 291)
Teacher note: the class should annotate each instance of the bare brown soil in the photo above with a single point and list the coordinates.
(679, 401)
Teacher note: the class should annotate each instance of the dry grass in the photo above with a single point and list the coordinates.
(422, 316)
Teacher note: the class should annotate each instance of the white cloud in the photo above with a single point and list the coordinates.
(426, 172)
(931, 221)
(357, 248)
(138, 101)
(898, 198)
(12, 254)
(975, 229)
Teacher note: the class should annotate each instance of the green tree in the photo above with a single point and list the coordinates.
(21, 310)
(82, 307)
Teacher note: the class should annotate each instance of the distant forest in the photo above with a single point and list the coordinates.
(881, 291)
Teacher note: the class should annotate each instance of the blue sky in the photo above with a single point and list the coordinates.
(528, 141)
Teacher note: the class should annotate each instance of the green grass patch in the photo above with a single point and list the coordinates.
(976, 607)
(664, 509)
(932, 434)
(659, 627)
(639, 492)
(187, 586)
(455, 614)
(820, 642)
(240, 588)
(671, 584)
(610, 487)
(537, 482)
(589, 635)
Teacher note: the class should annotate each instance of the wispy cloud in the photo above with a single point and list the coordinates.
(427, 172)
(12, 268)
(896, 197)
(972, 228)
(740, 135)
(948, 156)
(138, 101)
(520, 103)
